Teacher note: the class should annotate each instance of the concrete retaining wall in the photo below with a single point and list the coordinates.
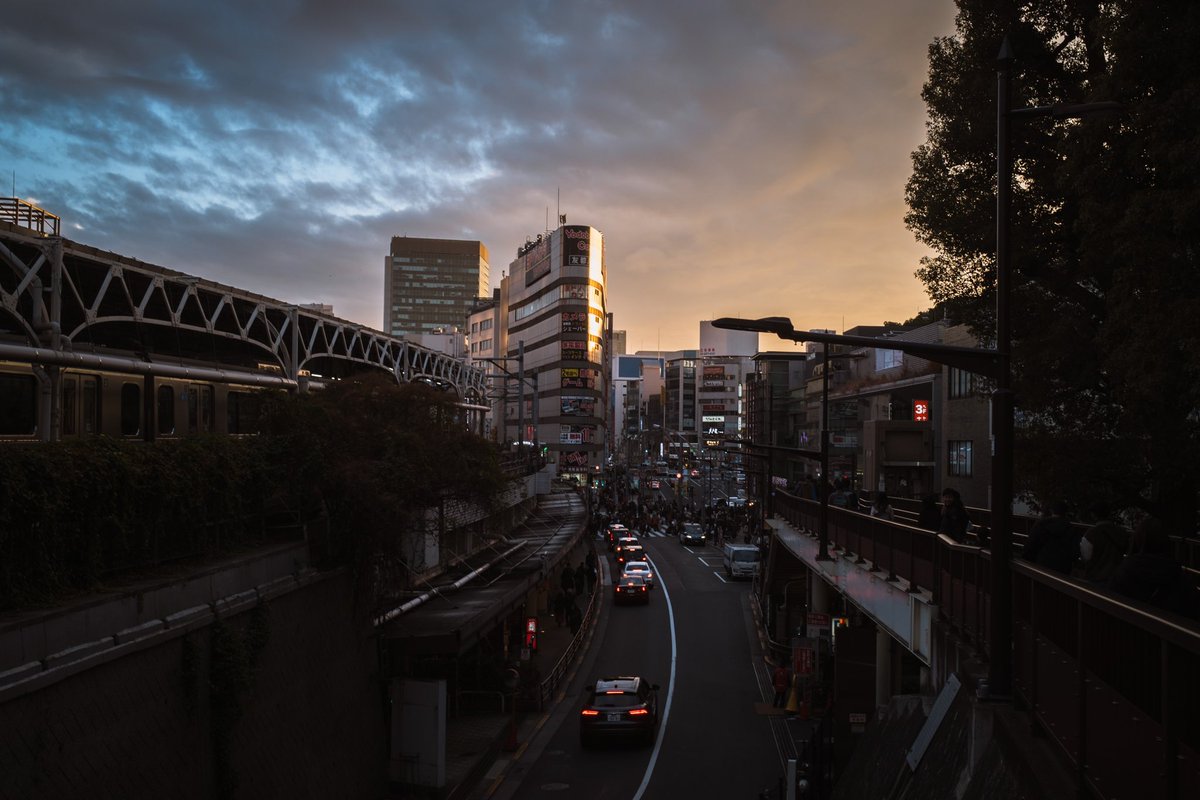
(140, 719)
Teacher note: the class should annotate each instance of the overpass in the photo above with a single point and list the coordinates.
(65, 304)
(1109, 682)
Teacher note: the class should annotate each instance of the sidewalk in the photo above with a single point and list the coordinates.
(480, 749)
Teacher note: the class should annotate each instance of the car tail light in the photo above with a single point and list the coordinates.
(638, 712)
(590, 712)
(643, 588)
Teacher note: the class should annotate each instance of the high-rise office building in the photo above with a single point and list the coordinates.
(430, 285)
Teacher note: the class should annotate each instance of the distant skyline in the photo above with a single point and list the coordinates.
(741, 158)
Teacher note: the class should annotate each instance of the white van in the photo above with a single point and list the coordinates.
(741, 560)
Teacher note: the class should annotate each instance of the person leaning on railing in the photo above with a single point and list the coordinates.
(1102, 547)
(1053, 543)
(955, 520)
(882, 508)
(1150, 575)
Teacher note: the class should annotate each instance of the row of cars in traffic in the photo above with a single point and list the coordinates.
(624, 706)
(635, 577)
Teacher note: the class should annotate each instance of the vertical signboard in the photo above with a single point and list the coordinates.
(576, 245)
(920, 411)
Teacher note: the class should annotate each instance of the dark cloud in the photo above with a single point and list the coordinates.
(740, 157)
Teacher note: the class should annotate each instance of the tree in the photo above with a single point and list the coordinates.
(1105, 223)
(377, 456)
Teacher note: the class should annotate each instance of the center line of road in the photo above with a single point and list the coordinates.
(662, 727)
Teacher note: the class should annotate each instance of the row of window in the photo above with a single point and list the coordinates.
(81, 411)
(570, 291)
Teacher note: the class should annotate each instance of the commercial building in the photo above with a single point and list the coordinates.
(637, 384)
(431, 285)
(555, 335)
(897, 423)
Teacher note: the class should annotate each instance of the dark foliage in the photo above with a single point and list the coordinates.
(1105, 228)
(367, 455)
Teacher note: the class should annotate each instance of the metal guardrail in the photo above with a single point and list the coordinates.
(1111, 682)
(26, 215)
(552, 681)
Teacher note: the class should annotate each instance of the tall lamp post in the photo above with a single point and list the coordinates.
(1000, 619)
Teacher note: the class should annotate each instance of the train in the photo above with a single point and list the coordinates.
(40, 404)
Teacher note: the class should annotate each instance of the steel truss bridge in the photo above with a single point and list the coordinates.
(66, 304)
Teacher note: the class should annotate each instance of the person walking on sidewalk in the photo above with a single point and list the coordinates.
(779, 679)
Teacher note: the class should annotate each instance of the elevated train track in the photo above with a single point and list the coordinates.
(70, 309)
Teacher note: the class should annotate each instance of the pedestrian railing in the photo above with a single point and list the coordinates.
(550, 684)
(1111, 682)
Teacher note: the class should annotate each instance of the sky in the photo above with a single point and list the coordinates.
(742, 157)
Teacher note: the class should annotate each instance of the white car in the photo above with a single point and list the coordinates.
(640, 569)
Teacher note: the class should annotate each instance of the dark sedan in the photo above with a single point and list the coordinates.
(692, 534)
(631, 589)
(619, 707)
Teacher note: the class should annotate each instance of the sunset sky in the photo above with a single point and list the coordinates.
(742, 158)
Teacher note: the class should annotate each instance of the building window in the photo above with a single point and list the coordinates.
(962, 383)
(888, 359)
(960, 459)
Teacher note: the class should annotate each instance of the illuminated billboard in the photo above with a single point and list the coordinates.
(576, 245)
(536, 256)
(575, 322)
(578, 406)
(578, 378)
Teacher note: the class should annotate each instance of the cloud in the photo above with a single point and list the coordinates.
(741, 157)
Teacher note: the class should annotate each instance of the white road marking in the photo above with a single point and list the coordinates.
(662, 726)
(718, 576)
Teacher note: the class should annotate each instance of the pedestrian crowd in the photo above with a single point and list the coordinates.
(1137, 564)
(573, 584)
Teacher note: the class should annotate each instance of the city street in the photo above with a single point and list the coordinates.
(696, 640)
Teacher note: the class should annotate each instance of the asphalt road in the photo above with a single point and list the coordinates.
(696, 640)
